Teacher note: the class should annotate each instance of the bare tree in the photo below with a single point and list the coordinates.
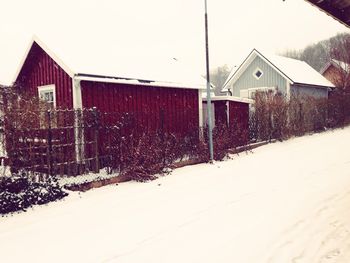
(340, 54)
(316, 55)
(218, 77)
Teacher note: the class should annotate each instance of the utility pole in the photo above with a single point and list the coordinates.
(210, 123)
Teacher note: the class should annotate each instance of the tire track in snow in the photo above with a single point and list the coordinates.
(326, 241)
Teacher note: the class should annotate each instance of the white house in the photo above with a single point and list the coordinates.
(288, 76)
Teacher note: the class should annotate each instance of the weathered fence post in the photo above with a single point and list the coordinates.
(49, 144)
(96, 137)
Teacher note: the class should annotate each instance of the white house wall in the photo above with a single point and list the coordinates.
(270, 78)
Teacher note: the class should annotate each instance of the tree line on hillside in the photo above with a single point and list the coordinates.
(319, 54)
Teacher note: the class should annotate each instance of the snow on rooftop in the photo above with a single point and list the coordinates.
(343, 65)
(104, 58)
(299, 71)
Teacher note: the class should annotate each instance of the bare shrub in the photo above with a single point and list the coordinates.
(269, 117)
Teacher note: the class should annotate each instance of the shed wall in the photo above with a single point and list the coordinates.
(309, 91)
(239, 120)
(173, 109)
(220, 112)
(333, 75)
(237, 113)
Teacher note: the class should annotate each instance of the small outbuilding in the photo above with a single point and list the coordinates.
(290, 77)
(232, 112)
(158, 93)
(337, 72)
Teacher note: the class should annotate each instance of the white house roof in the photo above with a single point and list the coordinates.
(107, 62)
(293, 70)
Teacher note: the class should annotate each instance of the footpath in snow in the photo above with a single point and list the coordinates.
(286, 202)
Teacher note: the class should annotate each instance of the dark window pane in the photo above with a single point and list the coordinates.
(258, 74)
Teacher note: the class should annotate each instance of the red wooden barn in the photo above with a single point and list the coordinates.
(112, 88)
(162, 95)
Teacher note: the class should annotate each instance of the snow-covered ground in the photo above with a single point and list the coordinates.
(286, 202)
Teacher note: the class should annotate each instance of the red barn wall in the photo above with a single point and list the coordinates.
(238, 113)
(220, 112)
(173, 108)
(239, 119)
(40, 69)
(334, 75)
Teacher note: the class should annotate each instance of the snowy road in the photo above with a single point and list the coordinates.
(287, 202)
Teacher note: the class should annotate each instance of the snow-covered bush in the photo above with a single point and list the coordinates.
(17, 193)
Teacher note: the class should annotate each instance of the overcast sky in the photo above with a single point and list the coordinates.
(173, 28)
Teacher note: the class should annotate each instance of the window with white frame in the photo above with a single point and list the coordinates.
(267, 90)
(48, 94)
(258, 73)
(250, 93)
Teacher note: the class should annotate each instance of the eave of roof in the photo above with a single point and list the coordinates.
(130, 81)
(230, 98)
(338, 9)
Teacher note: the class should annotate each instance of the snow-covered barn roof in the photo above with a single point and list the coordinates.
(338, 64)
(293, 70)
(113, 66)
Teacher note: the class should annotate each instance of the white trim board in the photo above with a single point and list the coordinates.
(136, 82)
(230, 98)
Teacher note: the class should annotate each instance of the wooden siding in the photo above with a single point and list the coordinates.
(239, 113)
(270, 78)
(220, 111)
(304, 90)
(334, 75)
(176, 110)
(239, 120)
(40, 69)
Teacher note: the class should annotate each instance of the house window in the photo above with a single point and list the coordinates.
(264, 90)
(48, 95)
(258, 73)
(251, 92)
